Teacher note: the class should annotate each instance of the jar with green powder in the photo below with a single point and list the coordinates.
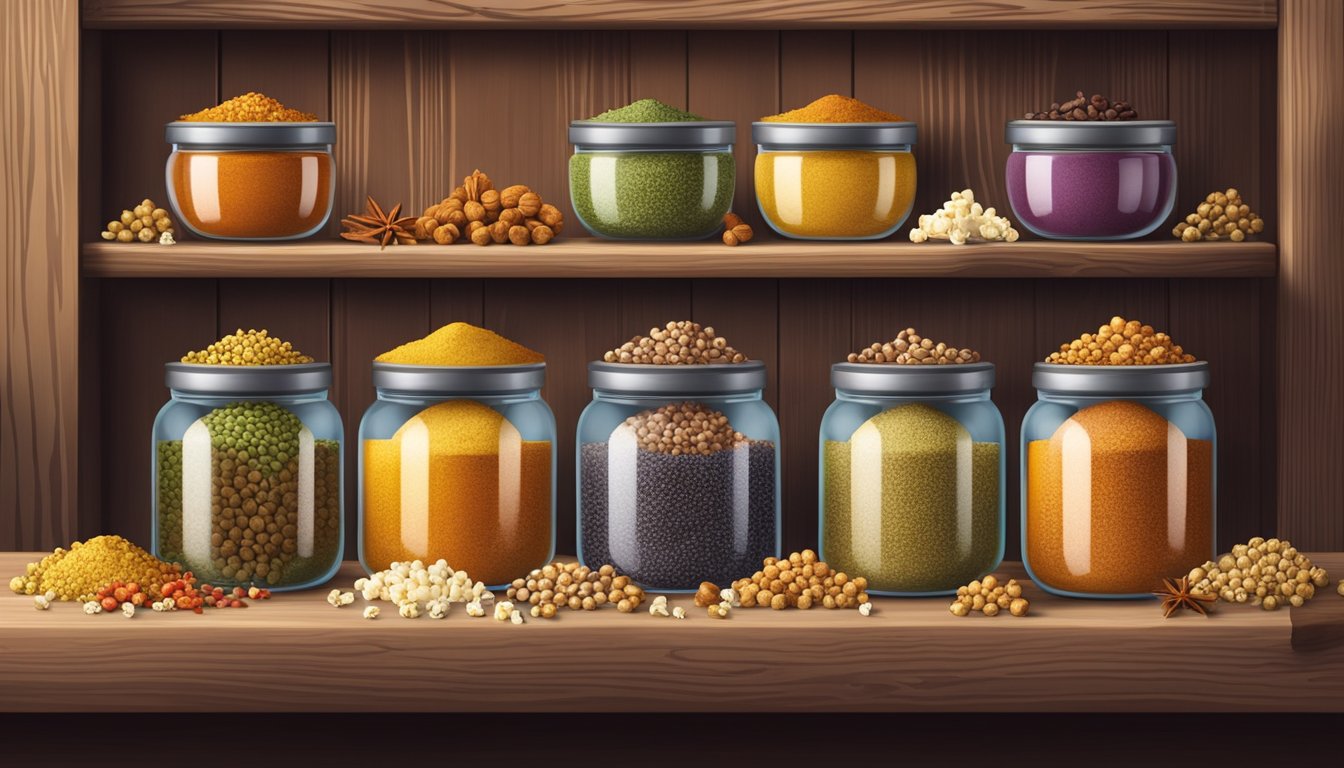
(648, 171)
(247, 475)
(912, 476)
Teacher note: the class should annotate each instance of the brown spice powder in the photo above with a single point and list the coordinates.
(252, 194)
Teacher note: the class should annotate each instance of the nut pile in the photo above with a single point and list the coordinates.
(961, 220)
(575, 586)
(909, 348)
(1081, 107)
(1121, 342)
(989, 597)
(799, 581)
(681, 428)
(145, 223)
(1221, 215)
(1269, 573)
(680, 342)
(79, 572)
(251, 347)
(735, 231)
(478, 212)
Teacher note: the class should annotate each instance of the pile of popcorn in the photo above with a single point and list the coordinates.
(962, 220)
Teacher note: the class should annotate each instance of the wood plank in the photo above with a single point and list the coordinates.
(696, 14)
(764, 257)
(908, 656)
(1311, 279)
(39, 278)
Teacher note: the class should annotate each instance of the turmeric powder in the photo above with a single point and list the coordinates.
(461, 344)
(835, 109)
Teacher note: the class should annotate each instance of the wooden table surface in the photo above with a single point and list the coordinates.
(297, 653)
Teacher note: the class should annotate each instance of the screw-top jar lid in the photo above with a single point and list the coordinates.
(677, 380)
(835, 135)
(1116, 380)
(249, 135)
(460, 379)
(1091, 133)
(690, 134)
(249, 380)
(904, 380)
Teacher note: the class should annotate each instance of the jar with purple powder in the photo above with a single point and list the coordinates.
(1106, 180)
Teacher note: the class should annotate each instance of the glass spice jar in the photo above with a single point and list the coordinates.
(247, 475)
(911, 479)
(1118, 477)
(252, 181)
(673, 513)
(458, 463)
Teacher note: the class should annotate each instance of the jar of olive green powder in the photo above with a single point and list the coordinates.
(912, 476)
(247, 475)
(648, 171)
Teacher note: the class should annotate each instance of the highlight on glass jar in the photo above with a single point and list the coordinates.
(911, 476)
(247, 473)
(837, 169)
(1101, 180)
(1118, 477)
(648, 171)
(271, 178)
(457, 460)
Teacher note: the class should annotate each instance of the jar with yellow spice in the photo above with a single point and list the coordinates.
(457, 461)
(836, 169)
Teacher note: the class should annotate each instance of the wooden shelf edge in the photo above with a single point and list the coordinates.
(680, 14)
(588, 258)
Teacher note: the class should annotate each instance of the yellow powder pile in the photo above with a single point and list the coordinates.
(251, 347)
(76, 573)
(461, 344)
(250, 108)
(835, 109)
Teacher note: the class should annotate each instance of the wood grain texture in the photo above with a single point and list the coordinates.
(909, 655)
(1311, 277)
(699, 14)
(39, 273)
(764, 257)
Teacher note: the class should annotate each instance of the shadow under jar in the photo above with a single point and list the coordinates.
(247, 475)
(701, 504)
(652, 181)
(835, 181)
(912, 476)
(251, 181)
(458, 463)
(1118, 478)
(1076, 180)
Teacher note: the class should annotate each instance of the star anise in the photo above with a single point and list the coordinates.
(379, 228)
(1177, 594)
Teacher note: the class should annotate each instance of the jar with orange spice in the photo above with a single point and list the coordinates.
(1118, 468)
(458, 463)
(251, 181)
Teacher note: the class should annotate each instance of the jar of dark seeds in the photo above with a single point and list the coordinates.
(912, 476)
(247, 475)
(678, 473)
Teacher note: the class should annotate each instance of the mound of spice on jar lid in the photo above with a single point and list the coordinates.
(251, 347)
(251, 107)
(1121, 342)
(1080, 107)
(909, 348)
(461, 344)
(680, 342)
(835, 108)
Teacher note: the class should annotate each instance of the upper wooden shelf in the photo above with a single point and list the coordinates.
(586, 257)
(300, 654)
(680, 14)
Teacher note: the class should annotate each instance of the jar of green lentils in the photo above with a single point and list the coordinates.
(649, 171)
(247, 474)
(912, 476)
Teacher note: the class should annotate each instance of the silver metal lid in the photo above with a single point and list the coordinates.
(227, 380)
(677, 380)
(1091, 133)
(250, 135)
(697, 133)
(460, 379)
(834, 135)
(893, 379)
(1111, 380)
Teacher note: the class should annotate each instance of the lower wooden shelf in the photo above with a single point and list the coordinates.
(296, 653)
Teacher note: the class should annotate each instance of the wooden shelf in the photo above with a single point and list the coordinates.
(680, 14)
(298, 653)
(588, 258)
